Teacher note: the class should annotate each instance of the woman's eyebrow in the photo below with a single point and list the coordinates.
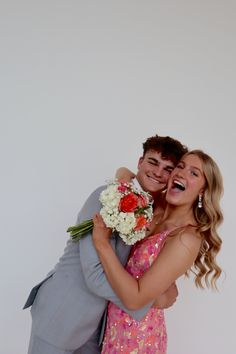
(196, 168)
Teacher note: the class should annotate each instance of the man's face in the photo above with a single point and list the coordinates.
(154, 172)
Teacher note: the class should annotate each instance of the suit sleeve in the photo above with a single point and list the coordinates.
(93, 272)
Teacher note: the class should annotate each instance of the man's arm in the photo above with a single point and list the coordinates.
(92, 269)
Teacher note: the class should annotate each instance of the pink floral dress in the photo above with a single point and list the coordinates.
(123, 333)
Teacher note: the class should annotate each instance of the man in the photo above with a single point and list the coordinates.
(67, 306)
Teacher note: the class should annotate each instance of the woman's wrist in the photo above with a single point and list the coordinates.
(102, 245)
(101, 234)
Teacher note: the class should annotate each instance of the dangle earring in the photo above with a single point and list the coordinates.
(199, 201)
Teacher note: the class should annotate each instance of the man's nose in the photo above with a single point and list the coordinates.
(158, 171)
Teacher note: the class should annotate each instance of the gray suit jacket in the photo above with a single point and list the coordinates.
(67, 306)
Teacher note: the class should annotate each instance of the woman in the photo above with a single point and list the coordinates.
(185, 236)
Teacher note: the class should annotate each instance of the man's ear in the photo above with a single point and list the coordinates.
(140, 161)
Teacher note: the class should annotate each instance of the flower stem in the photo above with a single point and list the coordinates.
(80, 230)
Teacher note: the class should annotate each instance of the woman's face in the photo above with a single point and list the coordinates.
(186, 182)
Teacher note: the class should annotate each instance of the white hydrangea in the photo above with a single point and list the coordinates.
(110, 211)
(110, 219)
(133, 237)
(149, 213)
(126, 223)
(110, 197)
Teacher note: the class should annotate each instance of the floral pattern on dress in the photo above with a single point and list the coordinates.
(123, 333)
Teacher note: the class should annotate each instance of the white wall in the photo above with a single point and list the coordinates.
(83, 84)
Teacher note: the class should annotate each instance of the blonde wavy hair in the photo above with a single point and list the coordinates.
(209, 217)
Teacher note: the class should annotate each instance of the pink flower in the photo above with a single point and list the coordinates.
(122, 187)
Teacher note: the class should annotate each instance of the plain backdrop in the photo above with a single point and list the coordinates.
(83, 84)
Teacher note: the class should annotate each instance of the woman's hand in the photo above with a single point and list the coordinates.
(101, 233)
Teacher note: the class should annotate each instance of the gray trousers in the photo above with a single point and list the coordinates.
(39, 346)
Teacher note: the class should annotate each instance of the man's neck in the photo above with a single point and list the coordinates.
(159, 200)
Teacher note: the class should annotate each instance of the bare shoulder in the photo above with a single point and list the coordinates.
(191, 239)
(188, 238)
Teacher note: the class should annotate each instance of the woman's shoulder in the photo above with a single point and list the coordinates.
(191, 238)
(187, 237)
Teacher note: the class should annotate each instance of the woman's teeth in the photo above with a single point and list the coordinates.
(178, 185)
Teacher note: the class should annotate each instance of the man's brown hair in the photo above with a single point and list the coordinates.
(169, 148)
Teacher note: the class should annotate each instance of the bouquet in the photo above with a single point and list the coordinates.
(125, 209)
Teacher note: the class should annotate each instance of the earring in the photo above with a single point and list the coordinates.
(199, 201)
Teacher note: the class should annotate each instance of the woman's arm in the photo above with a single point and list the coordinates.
(124, 174)
(176, 257)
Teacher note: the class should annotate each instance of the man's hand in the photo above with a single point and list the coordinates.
(168, 298)
(123, 174)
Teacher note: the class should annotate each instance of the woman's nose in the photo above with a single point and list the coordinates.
(180, 173)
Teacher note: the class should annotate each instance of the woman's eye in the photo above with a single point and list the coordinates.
(194, 173)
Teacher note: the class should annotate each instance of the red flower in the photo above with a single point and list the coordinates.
(141, 221)
(128, 203)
